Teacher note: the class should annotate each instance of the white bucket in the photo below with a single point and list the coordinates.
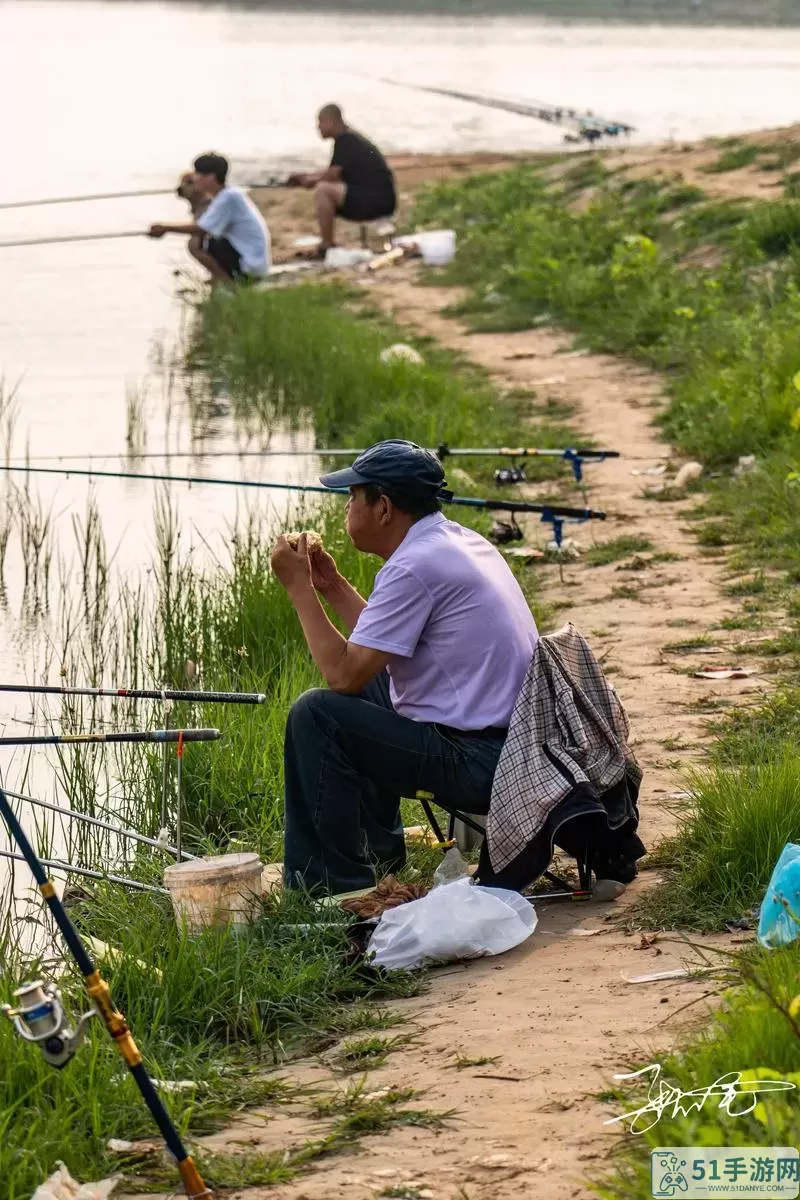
(437, 246)
(222, 890)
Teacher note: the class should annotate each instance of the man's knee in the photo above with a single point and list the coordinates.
(329, 194)
(309, 707)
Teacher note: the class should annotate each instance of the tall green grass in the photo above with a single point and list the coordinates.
(734, 826)
(310, 356)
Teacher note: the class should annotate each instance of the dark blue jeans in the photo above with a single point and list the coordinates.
(347, 762)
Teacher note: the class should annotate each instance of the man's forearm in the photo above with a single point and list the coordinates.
(327, 646)
(190, 229)
(345, 602)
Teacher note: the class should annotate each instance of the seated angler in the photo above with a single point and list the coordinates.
(357, 186)
(421, 688)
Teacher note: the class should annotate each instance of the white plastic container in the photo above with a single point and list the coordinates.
(340, 256)
(223, 890)
(437, 246)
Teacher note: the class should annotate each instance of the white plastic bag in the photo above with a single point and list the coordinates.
(61, 1186)
(456, 920)
(451, 868)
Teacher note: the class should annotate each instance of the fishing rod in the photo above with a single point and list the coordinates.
(550, 514)
(57, 864)
(270, 182)
(96, 823)
(79, 237)
(159, 736)
(551, 113)
(41, 689)
(7, 204)
(576, 458)
(554, 514)
(40, 1018)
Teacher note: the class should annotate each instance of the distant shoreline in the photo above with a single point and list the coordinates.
(673, 13)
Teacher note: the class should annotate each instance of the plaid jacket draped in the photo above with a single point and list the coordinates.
(568, 727)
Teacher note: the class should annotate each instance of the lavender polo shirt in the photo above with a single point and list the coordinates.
(454, 619)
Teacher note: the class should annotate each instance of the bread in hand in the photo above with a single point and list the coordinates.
(313, 540)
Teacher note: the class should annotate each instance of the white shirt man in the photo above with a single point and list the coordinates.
(232, 217)
(230, 239)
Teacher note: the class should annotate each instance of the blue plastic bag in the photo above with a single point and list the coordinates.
(778, 925)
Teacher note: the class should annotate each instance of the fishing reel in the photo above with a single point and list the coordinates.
(502, 532)
(40, 1018)
(513, 474)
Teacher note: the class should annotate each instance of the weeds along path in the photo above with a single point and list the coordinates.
(518, 1049)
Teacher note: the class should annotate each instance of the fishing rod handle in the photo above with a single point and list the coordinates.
(173, 735)
(145, 735)
(117, 1026)
(188, 697)
(191, 697)
(159, 736)
(100, 994)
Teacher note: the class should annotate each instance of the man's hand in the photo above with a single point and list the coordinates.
(292, 567)
(324, 571)
(303, 179)
(156, 231)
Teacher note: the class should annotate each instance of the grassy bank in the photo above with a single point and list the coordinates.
(310, 357)
(220, 1010)
(214, 1013)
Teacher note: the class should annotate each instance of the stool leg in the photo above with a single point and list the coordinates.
(434, 824)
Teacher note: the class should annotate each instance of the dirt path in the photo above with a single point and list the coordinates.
(554, 1020)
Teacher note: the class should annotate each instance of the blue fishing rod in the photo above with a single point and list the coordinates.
(551, 514)
(576, 458)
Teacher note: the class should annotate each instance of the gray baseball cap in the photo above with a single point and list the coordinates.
(397, 465)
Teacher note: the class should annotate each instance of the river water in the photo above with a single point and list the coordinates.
(120, 96)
